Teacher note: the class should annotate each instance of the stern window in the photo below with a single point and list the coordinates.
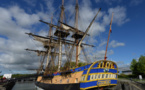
(101, 64)
(61, 81)
(110, 65)
(114, 75)
(106, 75)
(102, 75)
(76, 80)
(67, 80)
(96, 76)
(82, 78)
(110, 76)
(91, 77)
(107, 64)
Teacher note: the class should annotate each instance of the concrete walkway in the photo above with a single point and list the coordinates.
(129, 85)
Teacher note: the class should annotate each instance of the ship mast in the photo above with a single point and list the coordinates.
(50, 35)
(105, 57)
(79, 38)
(49, 47)
(60, 43)
(76, 26)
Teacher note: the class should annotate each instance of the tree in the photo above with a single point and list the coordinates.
(72, 65)
(138, 67)
(141, 65)
(81, 64)
(133, 64)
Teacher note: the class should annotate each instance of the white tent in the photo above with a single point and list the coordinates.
(8, 76)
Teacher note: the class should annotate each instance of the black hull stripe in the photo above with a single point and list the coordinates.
(72, 86)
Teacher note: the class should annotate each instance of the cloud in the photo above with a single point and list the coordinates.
(135, 2)
(99, 26)
(115, 44)
(50, 6)
(99, 55)
(92, 41)
(31, 2)
(102, 43)
(22, 18)
(15, 21)
(119, 15)
(108, 2)
(97, 1)
(124, 67)
(13, 25)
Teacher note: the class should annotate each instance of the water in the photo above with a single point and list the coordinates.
(28, 85)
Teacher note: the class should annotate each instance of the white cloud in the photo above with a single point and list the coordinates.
(13, 25)
(102, 43)
(135, 2)
(22, 18)
(97, 1)
(31, 2)
(92, 40)
(99, 55)
(119, 15)
(15, 21)
(87, 13)
(114, 44)
(109, 2)
(50, 6)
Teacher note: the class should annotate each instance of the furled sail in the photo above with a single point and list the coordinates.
(44, 40)
(74, 30)
(65, 27)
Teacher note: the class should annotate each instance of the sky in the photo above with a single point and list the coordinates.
(20, 16)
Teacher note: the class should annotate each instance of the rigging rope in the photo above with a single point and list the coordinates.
(69, 53)
(86, 58)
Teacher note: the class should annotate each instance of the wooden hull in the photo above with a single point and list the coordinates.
(72, 86)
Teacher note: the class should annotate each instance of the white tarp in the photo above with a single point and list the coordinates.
(140, 77)
(8, 76)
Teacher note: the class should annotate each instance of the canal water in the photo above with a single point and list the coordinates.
(122, 85)
(27, 85)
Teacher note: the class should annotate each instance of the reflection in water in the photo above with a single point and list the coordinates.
(24, 86)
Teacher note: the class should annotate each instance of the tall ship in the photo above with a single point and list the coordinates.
(67, 74)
